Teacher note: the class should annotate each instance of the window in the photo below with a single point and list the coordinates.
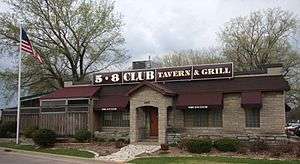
(252, 117)
(115, 119)
(203, 118)
(83, 102)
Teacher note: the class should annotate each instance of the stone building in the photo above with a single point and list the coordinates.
(244, 105)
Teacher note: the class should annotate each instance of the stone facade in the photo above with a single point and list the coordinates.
(272, 118)
(148, 97)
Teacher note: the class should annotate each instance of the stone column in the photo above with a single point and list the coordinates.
(133, 124)
(162, 124)
(91, 116)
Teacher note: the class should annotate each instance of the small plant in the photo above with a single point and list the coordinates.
(227, 144)
(83, 135)
(164, 147)
(111, 140)
(44, 137)
(28, 132)
(100, 139)
(8, 129)
(120, 143)
(182, 143)
(199, 145)
(259, 145)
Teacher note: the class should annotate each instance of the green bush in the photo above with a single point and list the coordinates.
(199, 145)
(28, 132)
(8, 129)
(44, 137)
(259, 145)
(83, 135)
(227, 144)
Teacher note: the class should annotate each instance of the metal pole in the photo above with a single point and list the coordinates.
(19, 89)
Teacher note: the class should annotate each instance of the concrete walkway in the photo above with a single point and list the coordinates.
(129, 152)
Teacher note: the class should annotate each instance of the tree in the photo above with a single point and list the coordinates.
(189, 57)
(76, 38)
(261, 38)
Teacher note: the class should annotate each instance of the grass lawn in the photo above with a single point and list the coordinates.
(60, 151)
(208, 160)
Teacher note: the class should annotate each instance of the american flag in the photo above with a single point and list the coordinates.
(27, 47)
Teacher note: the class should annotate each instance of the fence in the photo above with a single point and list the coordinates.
(63, 122)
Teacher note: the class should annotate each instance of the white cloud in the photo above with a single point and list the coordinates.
(156, 26)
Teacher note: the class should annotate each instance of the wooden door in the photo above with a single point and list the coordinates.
(153, 123)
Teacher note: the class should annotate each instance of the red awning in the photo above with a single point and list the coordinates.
(200, 101)
(112, 102)
(251, 100)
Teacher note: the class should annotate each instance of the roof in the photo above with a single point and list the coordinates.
(237, 84)
(73, 92)
(157, 87)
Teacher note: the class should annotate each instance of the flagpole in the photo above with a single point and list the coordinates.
(19, 89)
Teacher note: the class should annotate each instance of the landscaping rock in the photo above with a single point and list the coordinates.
(129, 152)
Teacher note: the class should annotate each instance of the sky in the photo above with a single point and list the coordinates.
(156, 27)
(159, 26)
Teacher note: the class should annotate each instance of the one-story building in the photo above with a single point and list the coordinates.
(160, 105)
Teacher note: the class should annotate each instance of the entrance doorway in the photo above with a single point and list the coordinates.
(151, 121)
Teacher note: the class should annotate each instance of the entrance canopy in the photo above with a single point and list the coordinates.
(200, 101)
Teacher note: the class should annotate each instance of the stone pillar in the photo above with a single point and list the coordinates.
(91, 116)
(133, 124)
(162, 124)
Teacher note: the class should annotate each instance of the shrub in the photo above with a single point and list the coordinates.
(227, 144)
(182, 143)
(8, 129)
(99, 139)
(28, 132)
(164, 147)
(44, 137)
(83, 135)
(111, 140)
(120, 143)
(259, 145)
(199, 145)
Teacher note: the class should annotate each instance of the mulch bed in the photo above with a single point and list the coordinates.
(103, 148)
(175, 151)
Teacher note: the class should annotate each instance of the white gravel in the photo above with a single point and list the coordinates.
(129, 152)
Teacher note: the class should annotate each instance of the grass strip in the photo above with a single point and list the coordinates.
(60, 151)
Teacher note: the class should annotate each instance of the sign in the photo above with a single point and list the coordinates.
(200, 72)
(104, 109)
(198, 107)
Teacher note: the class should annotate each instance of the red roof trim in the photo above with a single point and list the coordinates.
(73, 92)
(159, 88)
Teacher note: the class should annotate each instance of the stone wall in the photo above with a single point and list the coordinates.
(148, 97)
(272, 120)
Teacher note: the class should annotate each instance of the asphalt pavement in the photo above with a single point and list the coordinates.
(13, 157)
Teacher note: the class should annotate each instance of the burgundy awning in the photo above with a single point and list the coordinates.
(251, 99)
(112, 102)
(200, 101)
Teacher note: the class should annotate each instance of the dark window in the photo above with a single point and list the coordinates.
(115, 119)
(252, 117)
(78, 102)
(203, 118)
